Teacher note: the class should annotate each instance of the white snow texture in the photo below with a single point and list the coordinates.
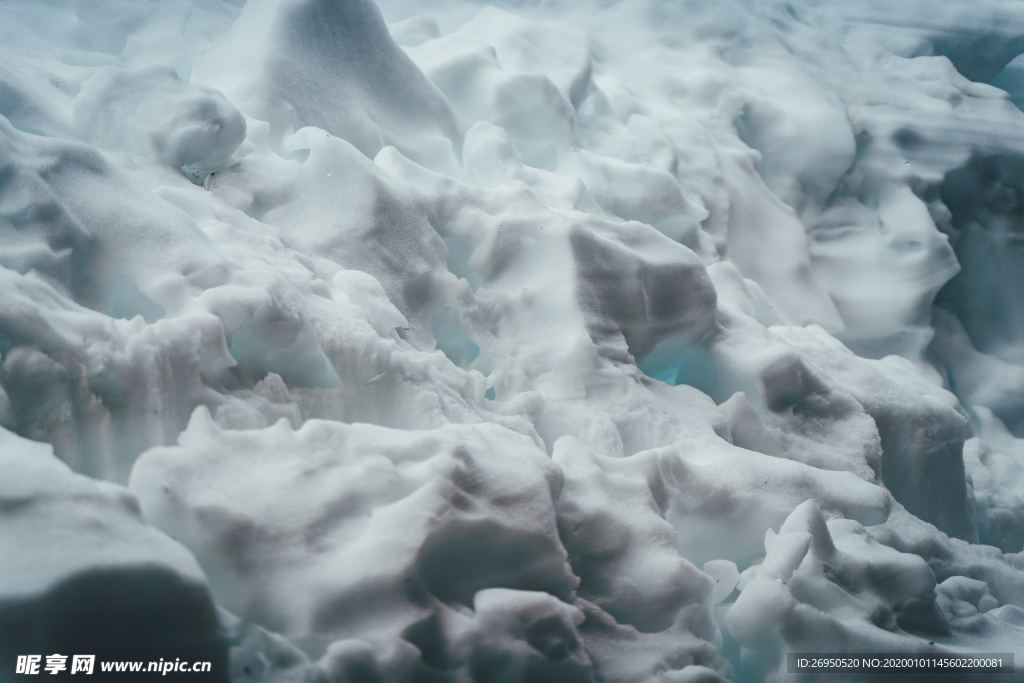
(525, 341)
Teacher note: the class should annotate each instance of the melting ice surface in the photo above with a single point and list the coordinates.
(618, 341)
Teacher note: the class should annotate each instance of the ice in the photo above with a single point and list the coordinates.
(458, 341)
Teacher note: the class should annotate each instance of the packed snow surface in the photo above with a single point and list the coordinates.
(613, 341)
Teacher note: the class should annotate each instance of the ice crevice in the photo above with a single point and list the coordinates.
(492, 341)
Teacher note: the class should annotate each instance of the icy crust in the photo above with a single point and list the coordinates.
(536, 342)
(76, 549)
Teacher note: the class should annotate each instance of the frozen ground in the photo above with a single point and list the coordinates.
(541, 341)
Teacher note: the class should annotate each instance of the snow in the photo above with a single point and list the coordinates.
(75, 548)
(151, 112)
(566, 341)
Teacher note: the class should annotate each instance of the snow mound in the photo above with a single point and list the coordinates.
(152, 112)
(387, 523)
(79, 548)
(331, 64)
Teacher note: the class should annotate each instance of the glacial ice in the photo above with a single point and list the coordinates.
(619, 341)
